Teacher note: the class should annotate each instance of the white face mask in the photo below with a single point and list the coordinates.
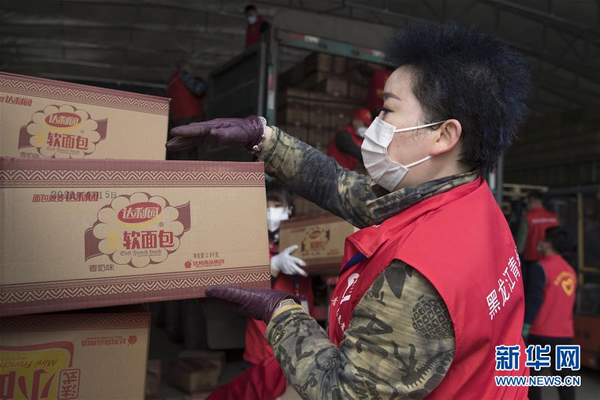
(274, 217)
(383, 170)
(252, 20)
(361, 131)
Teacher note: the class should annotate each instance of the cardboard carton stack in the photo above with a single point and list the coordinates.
(318, 96)
(197, 371)
(92, 216)
(99, 354)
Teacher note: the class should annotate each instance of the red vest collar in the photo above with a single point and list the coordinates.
(367, 241)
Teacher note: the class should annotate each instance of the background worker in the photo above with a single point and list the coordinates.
(345, 146)
(186, 92)
(257, 26)
(262, 377)
(418, 310)
(549, 303)
(532, 230)
(287, 272)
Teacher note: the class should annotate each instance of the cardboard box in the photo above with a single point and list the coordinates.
(358, 92)
(42, 118)
(93, 355)
(341, 114)
(321, 240)
(318, 62)
(217, 357)
(333, 86)
(293, 114)
(196, 372)
(91, 233)
(319, 116)
(340, 65)
(293, 95)
(153, 378)
(305, 208)
(320, 138)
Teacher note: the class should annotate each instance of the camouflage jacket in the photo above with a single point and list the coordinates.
(398, 348)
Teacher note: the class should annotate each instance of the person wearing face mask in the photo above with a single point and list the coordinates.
(345, 146)
(287, 271)
(431, 283)
(262, 376)
(256, 25)
(550, 301)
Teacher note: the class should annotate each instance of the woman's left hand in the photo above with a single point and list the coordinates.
(256, 303)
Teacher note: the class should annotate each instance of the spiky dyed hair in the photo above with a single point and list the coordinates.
(468, 75)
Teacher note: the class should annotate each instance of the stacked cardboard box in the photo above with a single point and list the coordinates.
(80, 231)
(197, 371)
(42, 118)
(318, 96)
(99, 354)
(321, 240)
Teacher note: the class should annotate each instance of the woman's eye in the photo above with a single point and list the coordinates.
(384, 110)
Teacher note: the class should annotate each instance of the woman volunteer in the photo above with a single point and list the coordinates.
(431, 284)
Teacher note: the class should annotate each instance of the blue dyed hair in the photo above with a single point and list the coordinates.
(468, 75)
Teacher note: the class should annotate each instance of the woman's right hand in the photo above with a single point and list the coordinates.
(285, 263)
(236, 132)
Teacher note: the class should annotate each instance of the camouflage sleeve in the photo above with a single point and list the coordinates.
(399, 344)
(318, 178)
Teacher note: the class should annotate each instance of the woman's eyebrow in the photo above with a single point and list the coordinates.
(387, 95)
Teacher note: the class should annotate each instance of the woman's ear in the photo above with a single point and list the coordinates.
(447, 137)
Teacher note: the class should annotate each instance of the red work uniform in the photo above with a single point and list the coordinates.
(538, 220)
(254, 31)
(184, 104)
(344, 159)
(475, 268)
(555, 317)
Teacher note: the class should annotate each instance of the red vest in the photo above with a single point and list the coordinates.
(184, 104)
(461, 243)
(253, 32)
(538, 220)
(555, 318)
(345, 159)
(375, 94)
(257, 348)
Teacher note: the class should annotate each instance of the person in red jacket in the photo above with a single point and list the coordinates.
(186, 92)
(261, 372)
(345, 146)
(549, 303)
(532, 231)
(256, 25)
(286, 271)
(430, 286)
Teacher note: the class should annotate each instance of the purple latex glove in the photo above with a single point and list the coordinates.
(235, 132)
(256, 303)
